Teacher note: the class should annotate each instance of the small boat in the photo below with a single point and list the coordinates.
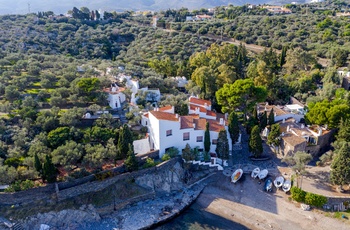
(236, 175)
(262, 174)
(287, 185)
(268, 185)
(255, 172)
(278, 182)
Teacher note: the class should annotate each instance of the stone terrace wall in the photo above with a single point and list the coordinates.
(88, 184)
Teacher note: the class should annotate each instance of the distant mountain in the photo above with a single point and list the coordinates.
(62, 6)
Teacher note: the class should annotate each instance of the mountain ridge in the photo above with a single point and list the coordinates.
(61, 7)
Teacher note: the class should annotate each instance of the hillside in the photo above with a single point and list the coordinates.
(21, 6)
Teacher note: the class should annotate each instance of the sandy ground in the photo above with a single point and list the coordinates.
(246, 203)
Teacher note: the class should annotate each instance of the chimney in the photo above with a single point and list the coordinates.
(288, 128)
(221, 121)
(154, 109)
(319, 131)
(302, 126)
(205, 105)
(284, 121)
(194, 125)
(177, 115)
(197, 110)
(226, 116)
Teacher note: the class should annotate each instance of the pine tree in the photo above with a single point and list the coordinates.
(207, 138)
(255, 142)
(125, 138)
(222, 147)
(340, 173)
(233, 127)
(131, 161)
(49, 170)
(271, 119)
(37, 164)
(263, 121)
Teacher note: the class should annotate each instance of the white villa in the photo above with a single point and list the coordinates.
(167, 129)
(295, 111)
(115, 96)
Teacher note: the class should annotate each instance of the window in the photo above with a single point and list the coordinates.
(186, 136)
(214, 141)
(169, 132)
(199, 138)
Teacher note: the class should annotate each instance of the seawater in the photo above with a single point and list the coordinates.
(196, 218)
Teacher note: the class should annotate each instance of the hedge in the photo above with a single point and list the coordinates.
(309, 198)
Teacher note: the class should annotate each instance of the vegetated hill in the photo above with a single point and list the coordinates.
(22, 7)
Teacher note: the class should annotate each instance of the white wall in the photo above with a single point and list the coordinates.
(115, 100)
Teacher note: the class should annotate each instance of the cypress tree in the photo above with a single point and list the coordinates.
(255, 142)
(271, 119)
(125, 138)
(37, 164)
(131, 162)
(233, 127)
(263, 121)
(340, 173)
(207, 138)
(283, 56)
(222, 147)
(49, 170)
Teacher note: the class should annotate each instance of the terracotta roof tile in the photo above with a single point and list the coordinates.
(201, 109)
(186, 122)
(146, 115)
(211, 113)
(215, 126)
(168, 107)
(198, 101)
(164, 116)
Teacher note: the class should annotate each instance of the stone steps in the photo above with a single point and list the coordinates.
(17, 226)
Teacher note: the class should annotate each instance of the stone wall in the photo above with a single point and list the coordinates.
(132, 186)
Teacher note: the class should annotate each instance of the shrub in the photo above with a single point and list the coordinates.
(172, 152)
(298, 194)
(165, 157)
(315, 200)
(20, 186)
(149, 163)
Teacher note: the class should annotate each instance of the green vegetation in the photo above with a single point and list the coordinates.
(309, 198)
(255, 142)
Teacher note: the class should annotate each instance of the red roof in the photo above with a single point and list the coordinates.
(168, 107)
(186, 122)
(211, 113)
(201, 109)
(198, 101)
(164, 116)
(146, 115)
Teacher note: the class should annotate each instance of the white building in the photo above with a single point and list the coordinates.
(295, 111)
(115, 96)
(167, 129)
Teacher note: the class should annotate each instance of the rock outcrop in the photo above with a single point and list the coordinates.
(65, 219)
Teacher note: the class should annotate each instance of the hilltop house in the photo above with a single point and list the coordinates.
(167, 129)
(277, 9)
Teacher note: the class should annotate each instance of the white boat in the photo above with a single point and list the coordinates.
(236, 175)
(278, 182)
(255, 172)
(287, 185)
(262, 174)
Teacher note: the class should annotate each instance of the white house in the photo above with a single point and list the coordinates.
(295, 111)
(115, 96)
(167, 129)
